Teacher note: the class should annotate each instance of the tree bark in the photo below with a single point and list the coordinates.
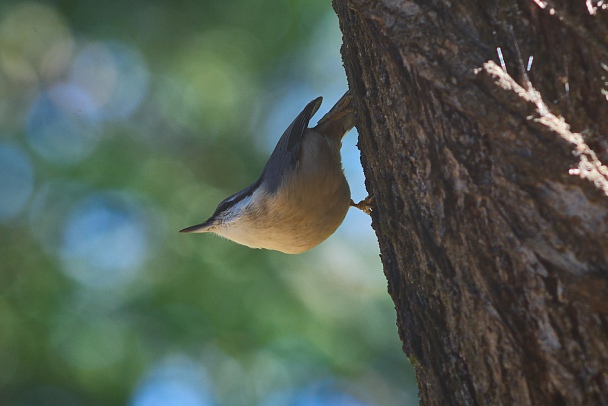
(482, 129)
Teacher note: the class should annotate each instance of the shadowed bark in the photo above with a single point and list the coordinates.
(491, 204)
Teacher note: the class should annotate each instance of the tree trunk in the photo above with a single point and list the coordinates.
(491, 210)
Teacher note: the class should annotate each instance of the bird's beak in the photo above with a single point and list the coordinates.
(199, 228)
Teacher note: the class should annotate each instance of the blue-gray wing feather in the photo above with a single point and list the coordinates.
(286, 154)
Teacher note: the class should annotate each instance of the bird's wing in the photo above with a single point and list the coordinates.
(286, 154)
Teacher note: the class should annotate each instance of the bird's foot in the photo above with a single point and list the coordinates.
(364, 205)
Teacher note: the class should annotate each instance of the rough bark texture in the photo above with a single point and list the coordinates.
(490, 209)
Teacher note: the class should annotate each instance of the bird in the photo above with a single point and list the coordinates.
(302, 195)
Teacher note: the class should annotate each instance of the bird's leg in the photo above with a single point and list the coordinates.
(364, 205)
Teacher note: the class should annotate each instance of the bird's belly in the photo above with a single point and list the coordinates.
(297, 225)
(304, 233)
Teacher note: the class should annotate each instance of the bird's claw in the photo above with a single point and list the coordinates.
(364, 205)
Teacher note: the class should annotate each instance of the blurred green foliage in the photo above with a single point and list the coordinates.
(122, 122)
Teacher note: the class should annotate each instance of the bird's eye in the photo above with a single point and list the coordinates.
(224, 205)
(233, 200)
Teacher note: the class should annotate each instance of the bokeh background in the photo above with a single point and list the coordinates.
(122, 122)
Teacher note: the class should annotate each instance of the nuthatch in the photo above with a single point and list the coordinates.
(302, 195)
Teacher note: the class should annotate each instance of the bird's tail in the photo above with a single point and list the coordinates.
(339, 120)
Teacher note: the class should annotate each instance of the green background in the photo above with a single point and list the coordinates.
(122, 122)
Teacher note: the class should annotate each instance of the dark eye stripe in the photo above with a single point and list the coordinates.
(237, 197)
